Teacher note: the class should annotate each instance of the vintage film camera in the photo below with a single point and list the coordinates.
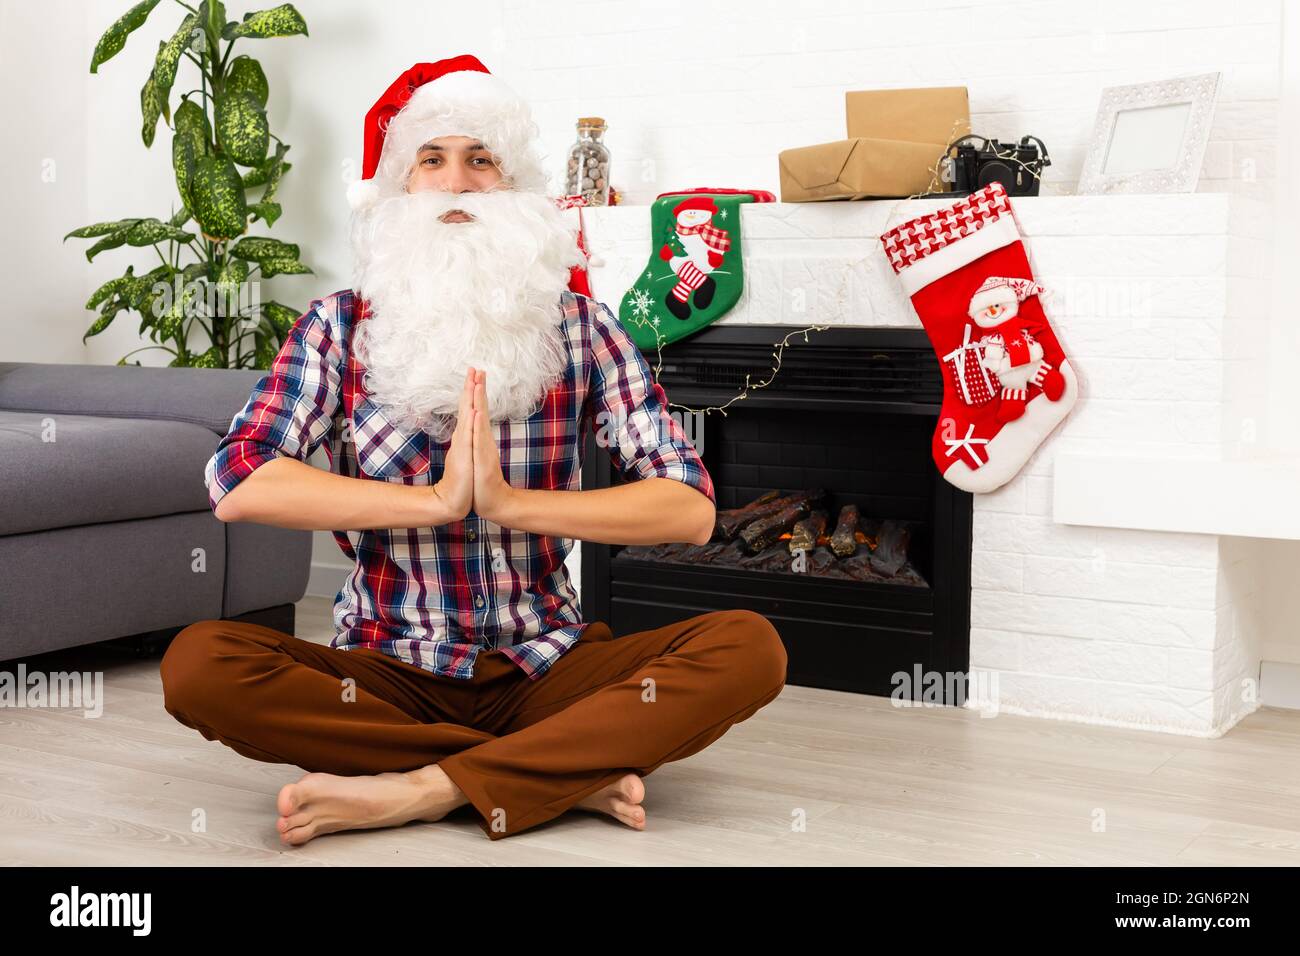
(1018, 168)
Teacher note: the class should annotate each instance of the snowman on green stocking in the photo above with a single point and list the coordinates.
(706, 245)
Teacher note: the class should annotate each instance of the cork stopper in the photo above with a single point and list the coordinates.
(591, 122)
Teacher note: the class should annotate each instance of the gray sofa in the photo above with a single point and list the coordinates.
(105, 527)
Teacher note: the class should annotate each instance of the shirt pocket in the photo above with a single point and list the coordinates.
(385, 451)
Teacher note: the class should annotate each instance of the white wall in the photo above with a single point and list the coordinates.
(717, 111)
(713, 110)
(43, 167)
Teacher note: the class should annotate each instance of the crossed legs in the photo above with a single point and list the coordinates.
(387, 742)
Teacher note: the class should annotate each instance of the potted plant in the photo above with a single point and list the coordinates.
(221, 150)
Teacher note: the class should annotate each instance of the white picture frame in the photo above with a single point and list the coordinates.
(1150, 137)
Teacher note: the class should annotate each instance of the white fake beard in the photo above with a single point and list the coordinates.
(446, 295)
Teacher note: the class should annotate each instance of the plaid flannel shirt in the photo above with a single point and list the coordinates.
(436, 596)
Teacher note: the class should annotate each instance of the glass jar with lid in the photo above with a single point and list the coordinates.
(587, 174)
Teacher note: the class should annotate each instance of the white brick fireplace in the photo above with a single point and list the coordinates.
(1115, 579)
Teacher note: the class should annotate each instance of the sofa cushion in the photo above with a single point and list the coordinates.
(265, 566)
(75, 586)
(201, 396)
(97, 469)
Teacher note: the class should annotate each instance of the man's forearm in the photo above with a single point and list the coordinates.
(292, 494)
(650, 511)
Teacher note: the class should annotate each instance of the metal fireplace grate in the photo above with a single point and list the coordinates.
(896, 374)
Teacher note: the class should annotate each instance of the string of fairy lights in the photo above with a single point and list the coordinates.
(937, 178)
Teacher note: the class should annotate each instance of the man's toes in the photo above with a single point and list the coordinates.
(632, 788)
(289, 800)
(629, 813)
(285, 824)
(297, 836)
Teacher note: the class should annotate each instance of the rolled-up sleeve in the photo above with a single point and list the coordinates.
(630, 415)
(290, 411)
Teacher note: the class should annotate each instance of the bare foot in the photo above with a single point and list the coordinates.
(621, 800)
(324, 802)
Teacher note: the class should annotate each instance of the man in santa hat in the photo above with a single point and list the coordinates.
(452, 386)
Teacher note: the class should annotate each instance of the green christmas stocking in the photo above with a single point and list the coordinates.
(695, 274)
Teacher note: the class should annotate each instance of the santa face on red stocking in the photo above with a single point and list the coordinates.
(1007, 380)
(706, 246)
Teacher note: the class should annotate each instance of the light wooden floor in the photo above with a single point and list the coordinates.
(874, 785)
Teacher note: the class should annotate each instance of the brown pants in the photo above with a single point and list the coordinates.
(522, 751)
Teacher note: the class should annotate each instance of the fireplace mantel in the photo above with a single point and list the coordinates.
(1121, 616)
(817, 263)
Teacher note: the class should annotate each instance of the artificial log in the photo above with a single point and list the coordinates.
(890, 552)
(764, 532)
(807, 532)
(731, 520)
(767, 509)
(844, 539)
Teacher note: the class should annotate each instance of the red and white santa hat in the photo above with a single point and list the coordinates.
(452, 97)
(1002, 290)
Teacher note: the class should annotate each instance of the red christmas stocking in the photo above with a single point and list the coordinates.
(1007, 382)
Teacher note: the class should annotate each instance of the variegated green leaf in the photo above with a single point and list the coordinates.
(273, 181)
(233, 273)
(212, 358)
(99, 325)
(281, 316)
(282, 21)
(232, 276)
(275, 267)
(150, 305)
(218, 198)
(110, 287)
(245, 76)
(171, 324)
(193, 122)
(112, 240)
(150, 110)
(114, 38)
(184, 159)
(101, 229)
(213, 15)
(164, 67)
(268, 211)
(257, 175)
(264, 171)
(242, 131)
(148, 231)
(141, 292)
(257, 248)
(189, 143)
(107, 313)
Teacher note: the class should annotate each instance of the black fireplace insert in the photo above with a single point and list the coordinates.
(833, 521)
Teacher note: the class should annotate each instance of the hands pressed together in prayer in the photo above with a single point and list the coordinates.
(471, 476)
